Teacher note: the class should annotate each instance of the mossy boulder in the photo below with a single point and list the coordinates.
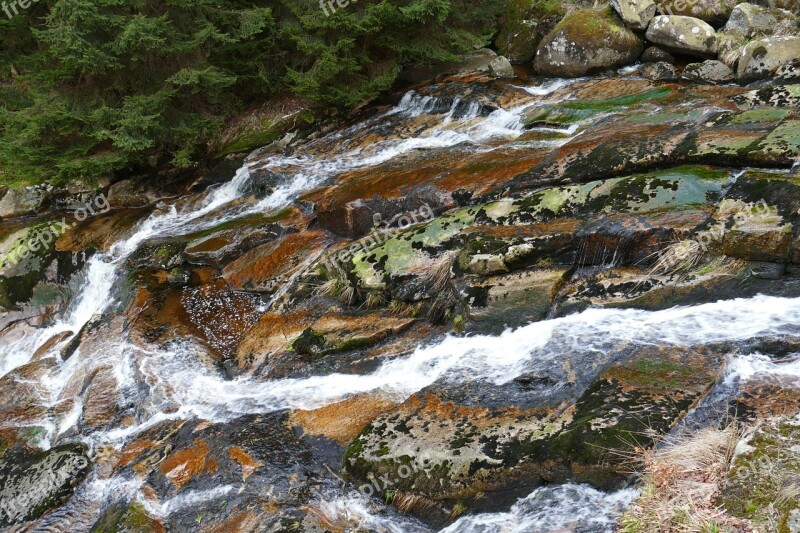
(25, 256)
(587, 41)
(762, 58)
(526, 23)
(749, 20)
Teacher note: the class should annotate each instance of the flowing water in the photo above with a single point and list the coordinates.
(174, 383)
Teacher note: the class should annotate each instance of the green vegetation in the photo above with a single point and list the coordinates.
(90, 88)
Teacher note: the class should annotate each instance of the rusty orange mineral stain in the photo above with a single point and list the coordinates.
(248, 464)
(184, 464)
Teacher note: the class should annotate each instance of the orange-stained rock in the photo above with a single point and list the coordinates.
(184, 464)
(270, 266)
(342, 421)
(248, 464)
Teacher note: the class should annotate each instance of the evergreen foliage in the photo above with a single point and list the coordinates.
(92, 87)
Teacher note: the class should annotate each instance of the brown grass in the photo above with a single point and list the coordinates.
(681, 481)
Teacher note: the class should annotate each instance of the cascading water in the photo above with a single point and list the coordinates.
(172, 383)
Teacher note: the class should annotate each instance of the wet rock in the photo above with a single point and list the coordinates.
(715, 11)
(162, 256)
(749, 20)
(98, 232)
(762, 58)
(710, 71)
(683, 35)
(508, 301)
(342, 421)
(501, 68)
(445, 451)
(525, 24)
(655, 54)
(357, 218)
(291, 339)
(265, 474)
(33, 484)
(179, 277)
(636, 14)
(262, 183)
(25, 257)
(587, 41)
(272, 265)
(218, 247)
(660, 71)
(25, 201)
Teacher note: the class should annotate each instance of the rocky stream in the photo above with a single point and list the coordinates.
(465, 309)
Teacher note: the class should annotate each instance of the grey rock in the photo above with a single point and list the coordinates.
(762, 58)
(711, 71)
(655, 54)
(749, 20)
(661, 71)
(683, 35)
(24, 201)
(501, 68)
(636, 14)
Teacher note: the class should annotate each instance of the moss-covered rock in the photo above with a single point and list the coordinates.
(763, 481)
(762, 58)
(526, 23)
(446, 451)
(587, 41)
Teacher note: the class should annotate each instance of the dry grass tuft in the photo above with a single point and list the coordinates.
(414, 504)
(681, 481)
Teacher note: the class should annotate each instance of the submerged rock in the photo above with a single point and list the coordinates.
(33, 484)
(587, 41)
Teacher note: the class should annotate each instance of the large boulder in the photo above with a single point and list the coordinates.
(526, 23)
(635, 13)
(24, 201)
(749, 20)
(587, 41)
(708, 10)
(683, 35)
(762, 58)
